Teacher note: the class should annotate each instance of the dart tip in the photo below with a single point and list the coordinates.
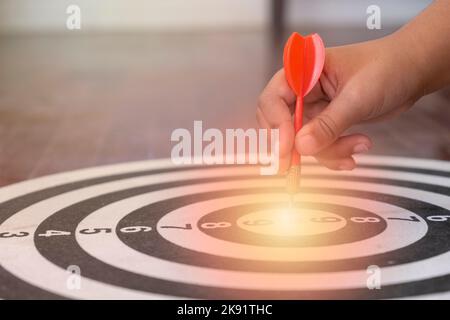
(291, 201)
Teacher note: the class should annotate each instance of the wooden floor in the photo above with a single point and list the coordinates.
(68, 102)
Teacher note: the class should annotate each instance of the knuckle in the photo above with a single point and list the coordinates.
(366, 104)
(354, 98)
(328, 164)
(332, 166)
(327, 126)
(284, 90)
(353, 95)
(262, 102)
(259, 117)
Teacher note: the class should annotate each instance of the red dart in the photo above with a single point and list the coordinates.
(303, 61)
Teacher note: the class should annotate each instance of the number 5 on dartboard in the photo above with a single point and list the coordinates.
(95, 230)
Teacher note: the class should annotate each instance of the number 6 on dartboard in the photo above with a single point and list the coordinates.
(438, 218)
(135, 229)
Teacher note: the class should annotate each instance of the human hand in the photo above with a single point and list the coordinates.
(369, 81)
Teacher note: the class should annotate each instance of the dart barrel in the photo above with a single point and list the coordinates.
(293, 179)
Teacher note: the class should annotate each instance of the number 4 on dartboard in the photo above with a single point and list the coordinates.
(187, 226)
(51, 233)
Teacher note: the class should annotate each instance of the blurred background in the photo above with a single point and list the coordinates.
(116, 88)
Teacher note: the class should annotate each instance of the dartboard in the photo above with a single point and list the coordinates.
(153, 230)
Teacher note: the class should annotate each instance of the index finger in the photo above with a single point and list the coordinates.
(276, 100)
(274, 113)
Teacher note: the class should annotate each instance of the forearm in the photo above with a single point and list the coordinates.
(425, 42)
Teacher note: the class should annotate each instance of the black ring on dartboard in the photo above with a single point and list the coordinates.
(13, 287)
(149, 243)
(351, 232)
(100, 271)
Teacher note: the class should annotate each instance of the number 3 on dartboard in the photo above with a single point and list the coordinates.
(13, 235)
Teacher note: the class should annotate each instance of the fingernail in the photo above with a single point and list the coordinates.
(360, 148)
(345, 166)
(306, 144)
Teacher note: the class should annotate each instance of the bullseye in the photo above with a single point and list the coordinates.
(288, 222)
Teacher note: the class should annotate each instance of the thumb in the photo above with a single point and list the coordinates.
(321, 131)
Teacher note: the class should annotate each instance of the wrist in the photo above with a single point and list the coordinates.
(409, 61)
(424, 40)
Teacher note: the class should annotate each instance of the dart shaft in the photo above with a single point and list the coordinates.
(294, 173)
(298, 123)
